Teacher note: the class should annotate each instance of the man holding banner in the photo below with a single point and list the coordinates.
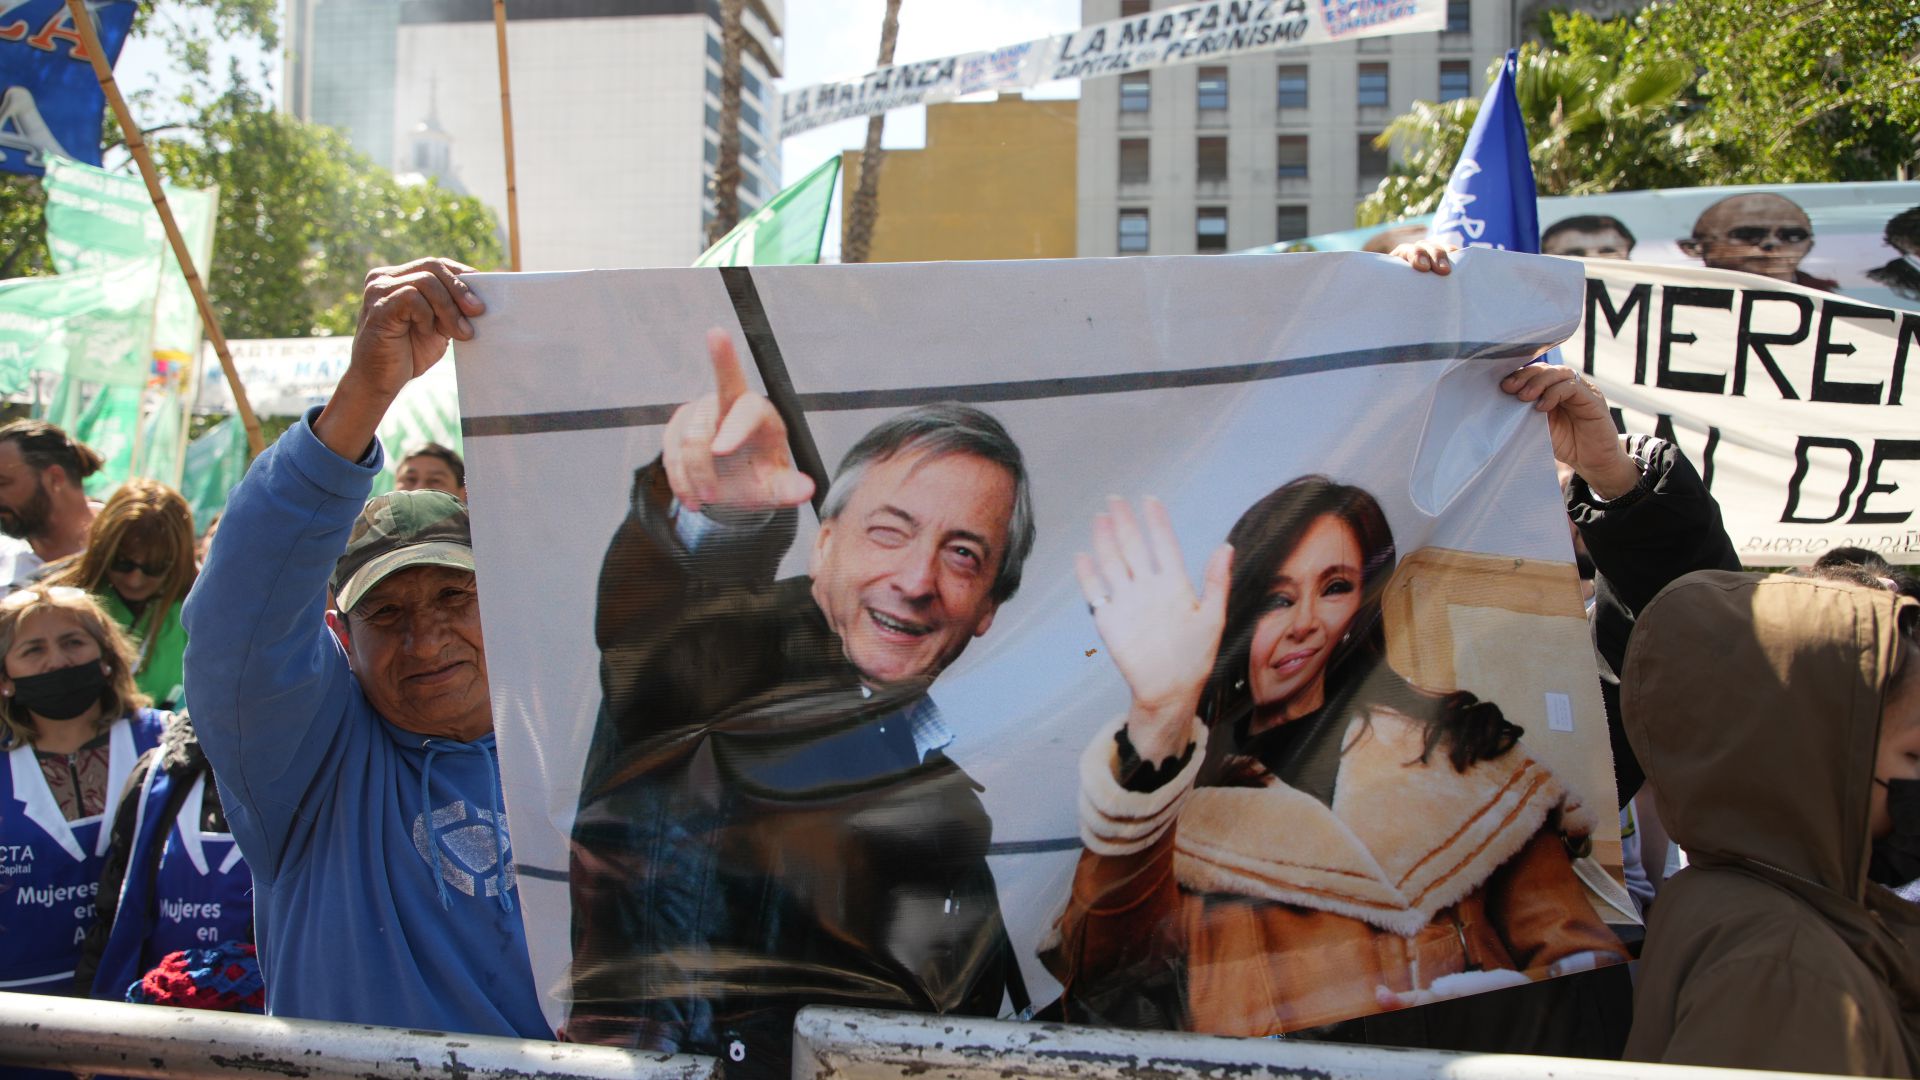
(768, 817)
(354, 747)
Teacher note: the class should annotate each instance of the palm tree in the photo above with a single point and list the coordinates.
(726, 171)
(866, 198)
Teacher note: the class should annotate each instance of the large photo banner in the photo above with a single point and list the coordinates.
(1176, 640)
(1796, 405)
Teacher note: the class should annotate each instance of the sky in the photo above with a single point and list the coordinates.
(826, 40)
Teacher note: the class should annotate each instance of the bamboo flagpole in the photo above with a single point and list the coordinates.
(90, 40)
(506, 131)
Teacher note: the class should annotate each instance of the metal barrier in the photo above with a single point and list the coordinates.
(151, 1040)
(854, 1044)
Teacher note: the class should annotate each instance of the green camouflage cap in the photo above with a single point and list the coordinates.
(398, 531)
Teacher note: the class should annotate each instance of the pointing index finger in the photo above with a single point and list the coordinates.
(729, 382)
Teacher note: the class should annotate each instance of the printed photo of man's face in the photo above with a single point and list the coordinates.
(1588, 236)
(1758, 234)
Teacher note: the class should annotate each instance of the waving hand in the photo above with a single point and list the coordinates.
(1161, 637)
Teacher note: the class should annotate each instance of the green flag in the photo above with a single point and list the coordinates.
(787, 231)
(107, 426)
(98, 220)
(91, 324)
(215, 463)
(163, 436)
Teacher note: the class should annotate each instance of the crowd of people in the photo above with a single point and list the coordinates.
(242, 763)
(124, 879)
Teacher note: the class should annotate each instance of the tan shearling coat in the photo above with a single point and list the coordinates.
(1265, 911)
(1754, 703)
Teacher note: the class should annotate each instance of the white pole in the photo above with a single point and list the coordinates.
(155, 1041)
(857, 1044)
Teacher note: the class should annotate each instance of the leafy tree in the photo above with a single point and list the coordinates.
(303, 215)
(1796, 90)
(1692, 92)
(22, 227)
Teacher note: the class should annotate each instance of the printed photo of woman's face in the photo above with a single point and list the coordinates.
(1314, 597)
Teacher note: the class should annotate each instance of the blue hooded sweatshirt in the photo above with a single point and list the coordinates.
(383, 876)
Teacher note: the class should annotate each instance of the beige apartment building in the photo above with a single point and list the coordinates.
(1264, 148)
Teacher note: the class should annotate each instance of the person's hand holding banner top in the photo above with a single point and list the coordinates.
(729, 448)
(1582, 429)
(408, 314)
(1577, 418)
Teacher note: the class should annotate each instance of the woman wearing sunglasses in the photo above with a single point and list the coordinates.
(139, 564)
(73, 724)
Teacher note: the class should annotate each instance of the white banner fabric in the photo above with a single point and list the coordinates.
(1212, 30)
(283, 376)
(1795, 404)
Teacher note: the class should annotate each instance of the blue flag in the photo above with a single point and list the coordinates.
(50, 100)
(1489, 200)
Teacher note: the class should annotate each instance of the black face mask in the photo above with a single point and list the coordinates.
(1896, 856)
(62, 694)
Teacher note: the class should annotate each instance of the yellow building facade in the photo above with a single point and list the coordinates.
(996, 181)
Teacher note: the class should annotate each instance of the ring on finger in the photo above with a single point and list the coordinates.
(1094, 606)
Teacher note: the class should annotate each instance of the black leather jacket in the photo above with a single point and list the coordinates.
(757, 832)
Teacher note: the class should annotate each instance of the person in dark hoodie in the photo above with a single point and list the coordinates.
(354, 747)
(1772, 949)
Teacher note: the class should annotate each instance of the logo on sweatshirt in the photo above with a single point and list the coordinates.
(459, 840)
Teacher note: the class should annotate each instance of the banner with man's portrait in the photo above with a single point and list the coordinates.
(1172, 643)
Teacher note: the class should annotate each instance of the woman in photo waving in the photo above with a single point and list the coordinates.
(1282, 832)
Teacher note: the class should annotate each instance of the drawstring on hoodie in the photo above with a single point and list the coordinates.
(433, 748)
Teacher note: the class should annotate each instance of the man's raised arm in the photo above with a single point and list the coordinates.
(267, 684)
(713, 514)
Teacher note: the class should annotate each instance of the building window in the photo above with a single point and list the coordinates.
(1456, 80)
(1373, 85)
(749, 116)
(1293, 86)
(1135, 165)
(1293, 224)
(750, 182)
(1213, 88)
(749, 147)
(713, 154)
(713, 119)
(1210, 159)
(1459, 16)
(1210, 229)
(714, 50)
(1133, 230)
(713, 85)
(750, 82)
(1293, 156)
(1130, 8)
(1371, 161)
(1136, 91)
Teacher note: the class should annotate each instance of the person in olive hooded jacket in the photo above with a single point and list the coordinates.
(1772, 950)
